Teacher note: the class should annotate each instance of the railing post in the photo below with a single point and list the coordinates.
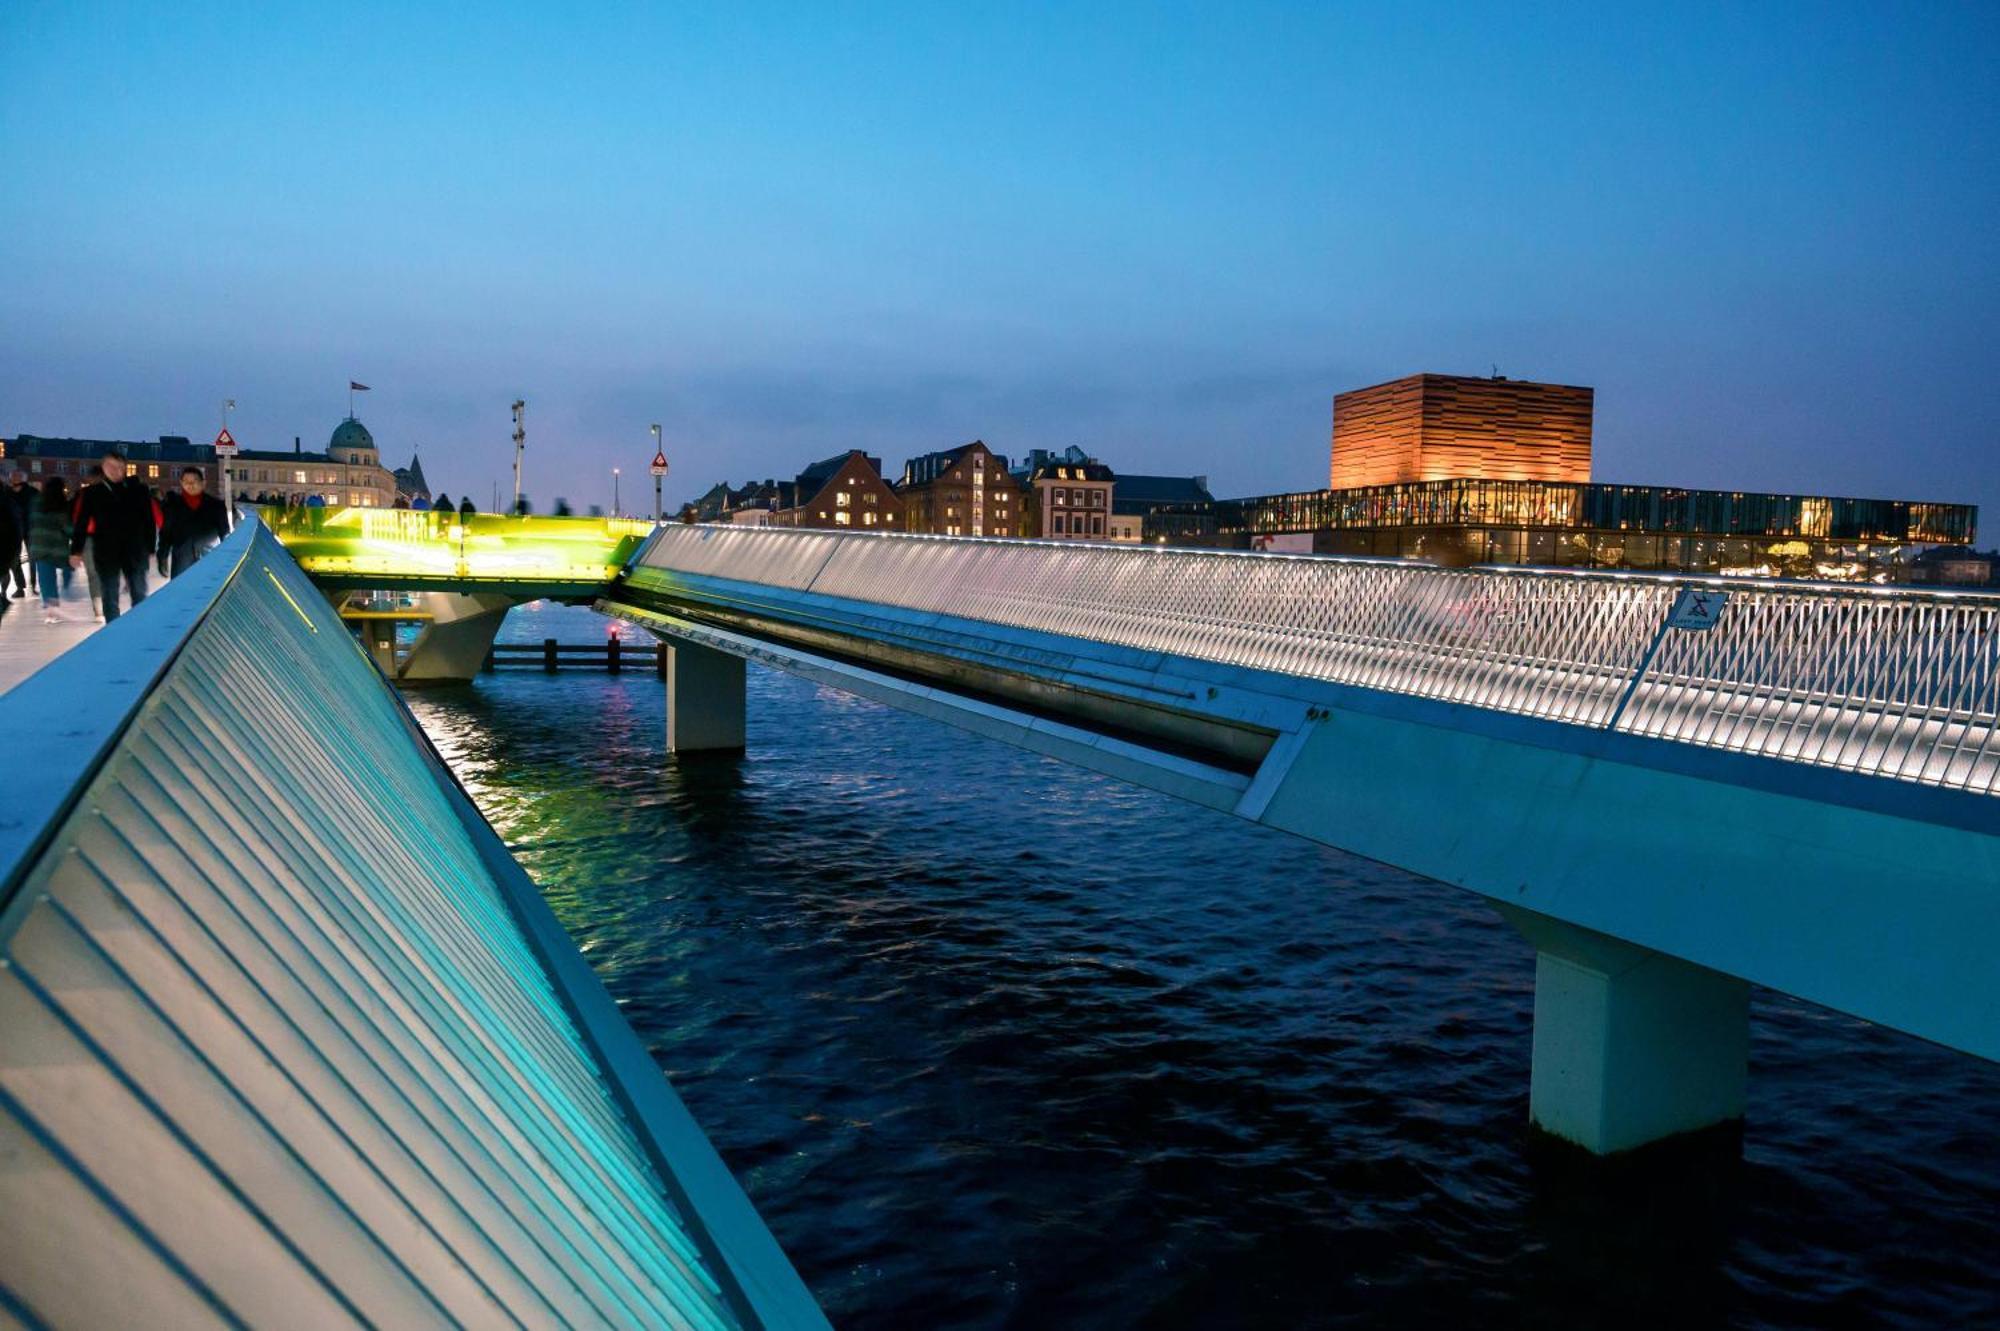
(611, 662)
(549, 655)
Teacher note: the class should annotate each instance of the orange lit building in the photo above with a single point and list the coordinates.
(1436, 427)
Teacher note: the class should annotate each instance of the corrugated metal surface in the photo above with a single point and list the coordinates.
(275, 1048)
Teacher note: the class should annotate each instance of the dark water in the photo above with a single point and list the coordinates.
(992, 1041)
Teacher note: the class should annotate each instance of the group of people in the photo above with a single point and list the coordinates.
(112, 527)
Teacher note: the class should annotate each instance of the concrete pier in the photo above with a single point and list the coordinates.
(1631, 1046)
(454, 644)
(705, 702)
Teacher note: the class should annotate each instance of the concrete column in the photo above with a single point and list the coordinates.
(704, 699)
(1631, 1045)
(379, 637)
(454, 644)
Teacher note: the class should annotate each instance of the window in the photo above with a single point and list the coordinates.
(298, 478)
(867, 519)
(1059, 496)
(1097, 499)
(872, 499)
(979, 462)
(843, 499)
(843, 519)
(1058, 529)
(152, 471)
(1096, 524)
(951, 531)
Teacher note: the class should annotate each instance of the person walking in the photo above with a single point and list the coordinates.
(92, 479)
(11, 535)
(48, 546)
(21, 498)
(195, 521)
(121, 521)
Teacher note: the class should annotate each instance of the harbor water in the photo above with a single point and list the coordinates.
(992, 1042)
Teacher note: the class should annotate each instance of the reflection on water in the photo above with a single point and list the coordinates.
(996, 1042)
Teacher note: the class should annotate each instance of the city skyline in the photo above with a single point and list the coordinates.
(1168, 239)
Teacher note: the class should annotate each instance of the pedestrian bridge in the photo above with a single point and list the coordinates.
(287, 1038)
(1801, 791)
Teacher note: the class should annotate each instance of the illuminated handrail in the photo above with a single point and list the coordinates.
(1899, 683)
(405, 544)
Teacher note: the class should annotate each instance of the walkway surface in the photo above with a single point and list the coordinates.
(27, 644)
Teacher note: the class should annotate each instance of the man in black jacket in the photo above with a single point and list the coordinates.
(122, 523)
(194, 521)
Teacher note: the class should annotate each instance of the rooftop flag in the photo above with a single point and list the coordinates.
(353, 387)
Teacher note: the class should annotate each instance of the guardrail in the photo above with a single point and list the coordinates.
(1899, 683)
(286, 1036)
(402, 546)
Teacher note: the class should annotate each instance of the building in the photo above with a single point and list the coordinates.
(158, 463)
(349, 473)
(963, 491)
(1069, 501)
(1137, 496)
(1436, 427)
(410, 483)
(846, 490)
(1954, 566)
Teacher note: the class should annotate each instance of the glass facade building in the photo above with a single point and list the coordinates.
(1562, 523)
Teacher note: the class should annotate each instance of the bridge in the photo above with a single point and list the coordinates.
(286, 1035)
(1798, 791)
(289, 1034)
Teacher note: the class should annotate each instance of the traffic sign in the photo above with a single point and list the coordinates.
(1697, 609)
(225, 444)
(660, 463)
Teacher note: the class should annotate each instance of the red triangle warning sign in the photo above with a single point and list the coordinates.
(224, 440)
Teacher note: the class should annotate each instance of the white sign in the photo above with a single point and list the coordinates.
(1697, 609)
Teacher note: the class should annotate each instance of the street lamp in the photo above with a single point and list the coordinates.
(614, 492)
(659, 470)
(225, 450)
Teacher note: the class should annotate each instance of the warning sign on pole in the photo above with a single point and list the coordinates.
(225, 444)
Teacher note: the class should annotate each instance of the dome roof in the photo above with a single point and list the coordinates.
(350, 433)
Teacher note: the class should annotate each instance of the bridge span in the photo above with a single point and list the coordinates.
(1803, 792)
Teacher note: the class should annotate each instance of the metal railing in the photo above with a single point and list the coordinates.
(402, 545)
(1890, 682)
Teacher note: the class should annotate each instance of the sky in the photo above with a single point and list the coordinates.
(1169, 234)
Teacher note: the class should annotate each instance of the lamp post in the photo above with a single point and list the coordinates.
(659, 470)
(226, 451)
(614, 492)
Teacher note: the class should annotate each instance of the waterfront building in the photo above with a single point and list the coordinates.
(1435, 427)
(963, 491)
(1136, 496)
(1069, 501)
(846, 490)
(349, 472)
(156, 462)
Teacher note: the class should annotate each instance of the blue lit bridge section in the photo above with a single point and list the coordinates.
(288, 1039)
(1801, 789)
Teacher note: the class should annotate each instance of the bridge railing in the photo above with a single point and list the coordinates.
(1894, 682)
(401, 545)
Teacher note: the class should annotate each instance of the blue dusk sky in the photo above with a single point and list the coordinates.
(1765, 234)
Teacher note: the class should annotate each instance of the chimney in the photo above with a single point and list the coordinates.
(295, 445)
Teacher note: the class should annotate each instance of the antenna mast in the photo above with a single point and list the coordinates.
(520, 446)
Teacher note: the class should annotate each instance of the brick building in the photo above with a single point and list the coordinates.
(841, 492)
(1435, 427)
(963, 491)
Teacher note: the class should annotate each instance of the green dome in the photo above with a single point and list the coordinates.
(350, 433)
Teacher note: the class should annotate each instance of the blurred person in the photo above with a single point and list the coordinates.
(21, 498)
(92, 477)
(48, 546)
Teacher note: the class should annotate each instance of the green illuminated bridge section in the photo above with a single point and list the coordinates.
(399, 549)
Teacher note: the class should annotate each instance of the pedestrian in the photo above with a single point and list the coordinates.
(121, 522)
(21, 498)
(92, 479)
(48, 546)
(195, 521)
(11, 535)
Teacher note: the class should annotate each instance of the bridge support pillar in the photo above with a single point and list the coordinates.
(454, 644)
(705, 702)
(1631, 1046)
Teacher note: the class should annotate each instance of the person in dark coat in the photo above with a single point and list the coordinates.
(23, 499)
(48, 546)
(194, 521)
(122, 523)
(11, 532)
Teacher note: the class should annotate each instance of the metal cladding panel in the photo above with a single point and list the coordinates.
(275, 1049)
(1897, 683)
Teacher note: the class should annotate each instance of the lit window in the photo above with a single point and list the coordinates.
(298, 478)
(843, 499)
(867, 519)
(152, 471)
(843, 519)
